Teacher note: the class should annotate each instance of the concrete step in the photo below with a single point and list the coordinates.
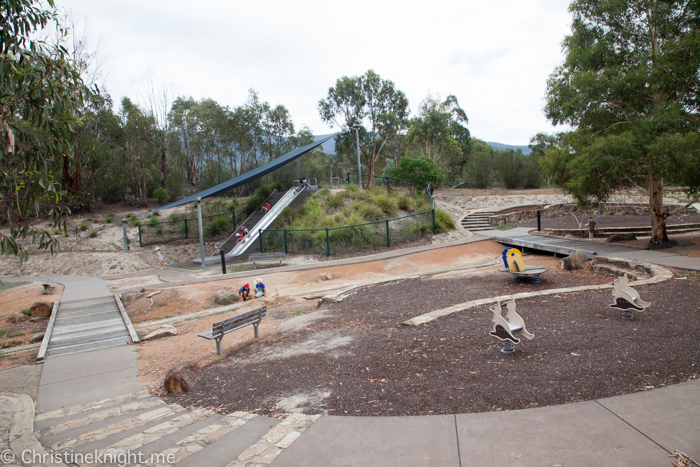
(165, 434)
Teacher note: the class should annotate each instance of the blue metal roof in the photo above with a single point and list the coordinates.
(246, 177)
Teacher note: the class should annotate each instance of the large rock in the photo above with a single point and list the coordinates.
(38, 337)
(162, 331)
(574, 261)
(41, 310)
(183, 377)
(621, 237)
(17, 318)
(227, 299)
(12, 343)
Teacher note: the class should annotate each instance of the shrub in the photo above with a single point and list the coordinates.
(369, 212)
(93, 234)
(232, 204)
(218, 225)
(323, 193)
(177, 216)
(25, 312)
(159, 229)
(387, 204)
(134, 221)
(420, 228)
(83, 227)
(336, 201)
(152, 222)
(252, 205)
(161, 195)
(109, 218)
(443, 222)
(405, 203)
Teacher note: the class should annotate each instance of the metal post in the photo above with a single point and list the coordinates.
(126, 240)
(539, 221)
(186, 231)
(328, 243)
(201, 231)
(388, 240)
(298, 171)
(234, 220)
(434, 220)
(348, 177)
(260, 240)
(140, 242)
(285, 241)
(223, 260)
(359, 167)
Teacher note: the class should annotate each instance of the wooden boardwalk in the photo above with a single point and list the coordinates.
(84, 325)
(565, 246)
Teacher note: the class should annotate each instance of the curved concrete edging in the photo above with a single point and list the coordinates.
(659, 275)
(22, 439)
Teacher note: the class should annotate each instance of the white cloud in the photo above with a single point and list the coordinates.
(494, 56)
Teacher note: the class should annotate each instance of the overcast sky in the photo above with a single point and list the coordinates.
(495, 56)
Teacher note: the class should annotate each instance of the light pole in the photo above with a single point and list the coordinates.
(357, 127)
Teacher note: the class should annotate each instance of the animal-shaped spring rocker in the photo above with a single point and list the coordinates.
(626, 298)
(510, 329)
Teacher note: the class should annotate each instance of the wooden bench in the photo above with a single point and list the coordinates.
(233, 323)
(46, 285)
(267, 258)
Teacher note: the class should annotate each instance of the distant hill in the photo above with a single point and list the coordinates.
(329, 146)
(501, 146)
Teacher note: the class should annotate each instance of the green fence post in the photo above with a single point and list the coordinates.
(285, 241)
(433, 221)
(328, 243)
(234, 221)
(140, 242)
(260, 240)
(388, 240)
(186, 232)
(348, 178)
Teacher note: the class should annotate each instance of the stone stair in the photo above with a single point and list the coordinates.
(477, 220)
(620, 267)
(140, 429)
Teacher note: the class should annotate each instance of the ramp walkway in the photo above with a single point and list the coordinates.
(84, 325)
(519, 237)
(243, 249)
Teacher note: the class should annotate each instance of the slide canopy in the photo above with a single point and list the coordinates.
(246, 177)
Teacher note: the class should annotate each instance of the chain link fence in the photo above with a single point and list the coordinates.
(349, 238)
(214, 225)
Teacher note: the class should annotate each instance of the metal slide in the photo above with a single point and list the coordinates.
(251, 240)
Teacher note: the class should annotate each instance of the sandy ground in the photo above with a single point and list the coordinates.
(287, 291)
(13, 301)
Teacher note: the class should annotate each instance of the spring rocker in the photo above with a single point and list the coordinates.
(515, 264)
(626, 298)
(509, 329)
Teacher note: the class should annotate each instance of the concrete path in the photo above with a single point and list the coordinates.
(78, 378)
(636, 429)
(520, 238)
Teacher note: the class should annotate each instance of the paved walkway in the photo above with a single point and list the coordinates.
(520, 237)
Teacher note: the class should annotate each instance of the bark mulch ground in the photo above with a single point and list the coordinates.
(354, 358)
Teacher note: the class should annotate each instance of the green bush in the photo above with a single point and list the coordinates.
(93, 234)
(369, 212)
(152, 222)
(252, 205)
(405, 203)
(218, 225)
(83, 227)
(443, 222)
(420, 228)
(232, 204)
(109, 218)
(387, 204)
(161, 195)
(134, 221)
(177, 216)
(26, 312)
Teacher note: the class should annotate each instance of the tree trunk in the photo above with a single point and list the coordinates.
(658, 213)
(162, 163)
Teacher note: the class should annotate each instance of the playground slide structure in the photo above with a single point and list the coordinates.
(249, 243)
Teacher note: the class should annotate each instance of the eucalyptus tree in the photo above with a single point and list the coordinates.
(185, 119)
(141, 146)
(279, 128)
(41, 98)
(630, 88)
(438, 132)
(366, 100)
